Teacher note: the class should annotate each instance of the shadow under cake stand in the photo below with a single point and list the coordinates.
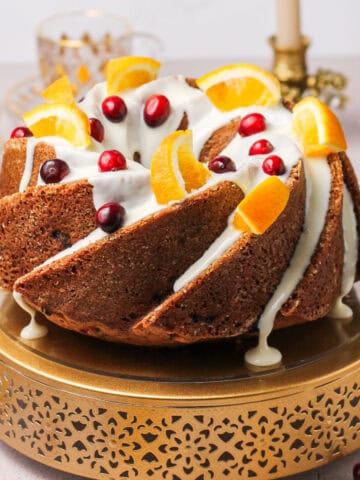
(107, 411)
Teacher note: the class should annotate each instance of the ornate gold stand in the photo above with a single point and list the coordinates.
(111, 412)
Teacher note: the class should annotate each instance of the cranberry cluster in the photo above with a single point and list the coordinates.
(249, 125)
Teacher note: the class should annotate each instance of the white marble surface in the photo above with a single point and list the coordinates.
(15, 466)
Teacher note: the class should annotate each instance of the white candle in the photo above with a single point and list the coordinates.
(288, 27)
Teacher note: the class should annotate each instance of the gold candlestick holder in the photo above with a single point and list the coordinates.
(290, 67)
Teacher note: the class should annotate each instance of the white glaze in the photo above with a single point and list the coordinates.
(29, 161)
(33, 330)
(248, 170)
(263, 355)
(93, 237)
(340, 310)
(215, 251)
(318, 186)
(132, 187)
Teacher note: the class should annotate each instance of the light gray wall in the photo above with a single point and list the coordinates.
(194, 28)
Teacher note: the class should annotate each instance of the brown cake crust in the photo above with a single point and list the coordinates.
(39, 223)
(219, 140)
(227, 298)
(14, 159)
(317, 291)
(103, 289)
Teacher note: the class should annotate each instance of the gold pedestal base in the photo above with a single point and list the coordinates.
(111, 412)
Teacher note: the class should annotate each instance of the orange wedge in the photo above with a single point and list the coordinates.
(262, 206)
(61, 120)
(240, 85)
(60, 91)
(174, 169)
(317, 128)
(83, 74)
(130, 72)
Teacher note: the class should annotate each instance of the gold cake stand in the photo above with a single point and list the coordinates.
(110, 412)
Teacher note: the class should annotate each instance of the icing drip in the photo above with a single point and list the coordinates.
(29, 160)
(215, 251)
(248, 173)
(318, 186)
(33, 330)
(340, 310)
(263, 355)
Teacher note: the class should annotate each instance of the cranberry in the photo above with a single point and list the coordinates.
(252, 123)
(111, 160)
(110, 217)
(156, 110)
(21, 132)
(114, 108)
(273, 165)
(222, 164)
(53, 171)
(261, 147)
(356, 472)
(96, 129)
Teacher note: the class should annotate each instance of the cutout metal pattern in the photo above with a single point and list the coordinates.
(108, 440)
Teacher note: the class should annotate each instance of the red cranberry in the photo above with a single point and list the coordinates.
(111, 160)
(53, 171)
(96, 129)
(21, 132)
(261, 147)
(356, 472)
(273, 165)
(221, 164)
(252, 123)
(156, 110)
(110, 217)
(114, 108)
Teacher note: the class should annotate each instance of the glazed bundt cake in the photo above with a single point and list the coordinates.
(164, 211)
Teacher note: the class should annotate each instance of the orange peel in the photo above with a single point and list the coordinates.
(262, 206)
(240, 85)
(62, 120)
(174, 169)
(60, 91)
(130, 72)
(317, 128)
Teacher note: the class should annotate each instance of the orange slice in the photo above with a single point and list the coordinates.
(240, 85)
(61, 120)
(262, 206)
(317, 128)
(174, 169)
(83, 74)
(60, 91)
(130, 72)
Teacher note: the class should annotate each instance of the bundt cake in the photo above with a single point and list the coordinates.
(165, 211)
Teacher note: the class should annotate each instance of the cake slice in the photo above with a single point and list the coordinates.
(39, 223)
(130, 271)
(321, 279)
(14, 163)
(226, 299)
